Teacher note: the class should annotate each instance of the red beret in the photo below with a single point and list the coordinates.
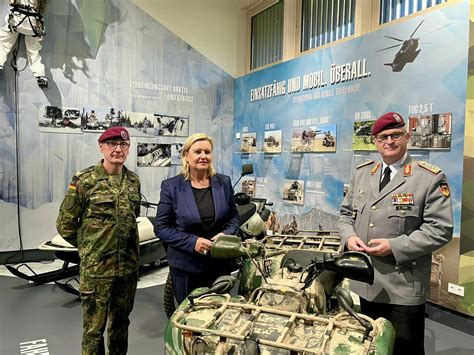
(114, 133)
(388, 120)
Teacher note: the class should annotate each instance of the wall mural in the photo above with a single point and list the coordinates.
(348, 86)
(107, 63)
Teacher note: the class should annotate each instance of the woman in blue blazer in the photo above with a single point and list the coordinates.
(195, 207)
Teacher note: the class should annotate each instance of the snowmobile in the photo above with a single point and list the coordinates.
(152, 253)
(289, 310)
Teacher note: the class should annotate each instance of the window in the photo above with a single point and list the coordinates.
(325, 21)
(267, 36)
(394, 9)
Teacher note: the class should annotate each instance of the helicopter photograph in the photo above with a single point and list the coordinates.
(409, 49)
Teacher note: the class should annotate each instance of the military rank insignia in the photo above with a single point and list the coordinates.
(431, 168)
(375, 168)
(444, 188)
(407, 170)
(403, 201)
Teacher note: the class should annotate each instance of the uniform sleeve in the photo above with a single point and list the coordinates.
(346, 216)
(165, 223)
(138, 207)
(233, 222)
(70, 212)
(436, 228)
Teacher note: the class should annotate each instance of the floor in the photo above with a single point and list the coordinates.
(52, 318)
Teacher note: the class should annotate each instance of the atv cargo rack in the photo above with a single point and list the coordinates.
(217, 320)
(327, 240)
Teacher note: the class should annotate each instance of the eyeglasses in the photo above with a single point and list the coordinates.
(113, 144)
(396, 136)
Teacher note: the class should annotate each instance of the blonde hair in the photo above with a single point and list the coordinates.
(185, 170)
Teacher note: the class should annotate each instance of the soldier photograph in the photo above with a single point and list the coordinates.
(98, 216)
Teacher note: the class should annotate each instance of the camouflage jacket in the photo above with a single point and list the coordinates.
(99, 218)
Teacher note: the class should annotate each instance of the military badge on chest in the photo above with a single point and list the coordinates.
(403, 201)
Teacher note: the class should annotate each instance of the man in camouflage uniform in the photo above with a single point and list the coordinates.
(399, 218)
(98, 216)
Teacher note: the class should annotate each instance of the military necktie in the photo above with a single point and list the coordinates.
(386, 178)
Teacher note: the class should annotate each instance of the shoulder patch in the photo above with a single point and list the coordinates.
(430, 167)
(78, 174)
(365, 164)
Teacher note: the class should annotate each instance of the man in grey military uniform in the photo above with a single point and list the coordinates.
(98, 216)
(398, 211)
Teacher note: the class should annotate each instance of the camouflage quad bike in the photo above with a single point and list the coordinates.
(276, 247)
(286, 314)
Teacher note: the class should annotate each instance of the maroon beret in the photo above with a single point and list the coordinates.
(388, 120)
(114, 133)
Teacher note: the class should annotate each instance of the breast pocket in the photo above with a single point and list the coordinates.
(402, 221)
(102, 207)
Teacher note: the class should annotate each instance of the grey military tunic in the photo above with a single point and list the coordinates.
(413, 212)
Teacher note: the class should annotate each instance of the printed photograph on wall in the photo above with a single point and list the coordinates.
(325, 140)
(55, 119)
(248, 187)
(166, 125)
(153, 154)
(430, 131)
(303, 139)
(272, 142)
(319, 138)
(249, 143)
(176, 149)
(362, 138)
(293, 191)
(141, 124)
(100, 118)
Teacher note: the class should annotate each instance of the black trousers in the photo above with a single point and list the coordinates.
(408, 321)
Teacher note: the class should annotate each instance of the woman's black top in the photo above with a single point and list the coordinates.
(205, 205)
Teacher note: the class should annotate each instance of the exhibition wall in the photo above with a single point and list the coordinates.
(107, 63)
(305, 124)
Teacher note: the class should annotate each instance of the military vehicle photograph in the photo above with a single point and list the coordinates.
(293, 191)
(272, 142)
(362, 137)
(249, 143)
(431, 131)
(303, 139)
(53, 119)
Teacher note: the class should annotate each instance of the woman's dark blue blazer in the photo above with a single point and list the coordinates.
(178, 220)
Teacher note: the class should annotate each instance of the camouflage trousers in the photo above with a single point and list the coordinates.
(103, 299)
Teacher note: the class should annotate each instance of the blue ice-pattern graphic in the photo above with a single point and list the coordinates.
(92, 53)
